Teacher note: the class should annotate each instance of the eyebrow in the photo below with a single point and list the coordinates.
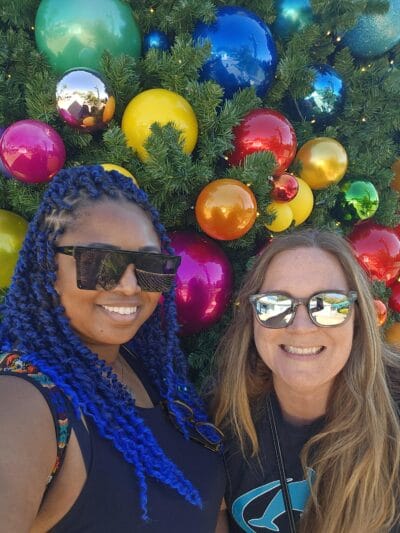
(149, 248)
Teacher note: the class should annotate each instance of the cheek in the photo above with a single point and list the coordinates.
(264, 341)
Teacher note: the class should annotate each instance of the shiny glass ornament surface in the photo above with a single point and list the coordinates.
(161, 106)
(283, 216)
(243, 51)
(374, 33)
(226, 209)
(12, 233)
(76, 33)
(32, 151)
(302, 204)
(357, 200)
(284, 187)
(392, 334)
(326, 97)
(264, 129)
(83, 100)
(394, 299)
(156, 39)
(377, 249)
(323, 162)
(291, 17)
(203, 282)
(121, 170)
(381, 312)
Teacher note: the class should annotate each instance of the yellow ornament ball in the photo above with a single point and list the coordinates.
(121, 170)
(392, 334)
(161, 106)
(12, 233)
(283, 216)
(302, 204)
(323, 162)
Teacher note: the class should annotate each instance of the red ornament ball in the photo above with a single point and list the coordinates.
(377, 249)
(285, 188)
(394, 300)
(264, 129)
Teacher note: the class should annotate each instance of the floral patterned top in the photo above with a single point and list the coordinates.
(12, 364)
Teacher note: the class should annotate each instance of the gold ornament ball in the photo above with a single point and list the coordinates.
(161, 106)
(392, 334)
(302, 204)
(121, 170)
(12, 233)
(283, 216)
(323, 162)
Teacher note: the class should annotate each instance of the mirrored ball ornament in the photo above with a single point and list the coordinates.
(83, 100)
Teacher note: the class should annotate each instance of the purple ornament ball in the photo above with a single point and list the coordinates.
(32, 151)
(204, 281)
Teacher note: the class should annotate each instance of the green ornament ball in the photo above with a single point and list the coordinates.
(357, 200)
(76, 33)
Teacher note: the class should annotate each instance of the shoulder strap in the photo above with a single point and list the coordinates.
(12, 364)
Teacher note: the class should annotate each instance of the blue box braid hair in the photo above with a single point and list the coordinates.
(35, 324)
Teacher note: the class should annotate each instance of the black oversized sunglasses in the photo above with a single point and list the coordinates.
(204, 433)
(102, 268)
(326, 309)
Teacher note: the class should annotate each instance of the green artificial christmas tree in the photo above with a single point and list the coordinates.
(240, 120)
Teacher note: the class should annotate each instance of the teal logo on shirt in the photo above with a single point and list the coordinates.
(299, 493)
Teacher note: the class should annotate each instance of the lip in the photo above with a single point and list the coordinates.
(302, 357)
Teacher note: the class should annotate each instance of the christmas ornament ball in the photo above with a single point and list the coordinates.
(377, 249)
(394, 299)
(283, 216)
(243, 51)
(375, 33)
(161, 106)
(392, 334)
(264, 129)
(302, 204)
(203, 282)
(121, 170)
(226, 209)
(157, 40)
(285, 187)
(32, 151)
(381, 312)
(12, 233)
(76, 33)
(83, 100)
(357, 200)
(323, 162)
(291, 16)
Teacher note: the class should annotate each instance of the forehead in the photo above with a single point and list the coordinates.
(120, 223)
(302, 271)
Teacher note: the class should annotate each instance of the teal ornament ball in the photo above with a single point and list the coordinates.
(76, 33)
(291, 16)
(374, 34)
(357, 200)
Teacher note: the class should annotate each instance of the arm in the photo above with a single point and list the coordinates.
(27, 452)
(222, 523)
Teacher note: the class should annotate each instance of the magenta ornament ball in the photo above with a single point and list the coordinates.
(32, 151)
(204, 281)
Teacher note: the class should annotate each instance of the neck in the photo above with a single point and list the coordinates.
(302, 408)
(109, 354)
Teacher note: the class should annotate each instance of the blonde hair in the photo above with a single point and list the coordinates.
(356, 456)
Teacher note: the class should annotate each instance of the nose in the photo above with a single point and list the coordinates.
(302, 320)
(128, 284)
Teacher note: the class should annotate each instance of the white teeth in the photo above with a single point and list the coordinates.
(121, 310)
(302, 351)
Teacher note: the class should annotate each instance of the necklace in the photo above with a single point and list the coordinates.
(121, 376)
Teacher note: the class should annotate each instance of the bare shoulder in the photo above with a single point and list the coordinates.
(28, 451)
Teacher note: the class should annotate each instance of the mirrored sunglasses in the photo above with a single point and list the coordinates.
(326, 309)
(203, 432)
(102, 268)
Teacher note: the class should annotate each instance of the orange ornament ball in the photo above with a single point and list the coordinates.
(381, 312)
(393, 334)
(226, 209)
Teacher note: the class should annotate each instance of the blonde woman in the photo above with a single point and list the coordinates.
(307, 393)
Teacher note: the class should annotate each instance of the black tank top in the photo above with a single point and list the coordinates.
(109, 500)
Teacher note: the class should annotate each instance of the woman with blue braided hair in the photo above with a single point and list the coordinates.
(100, 429)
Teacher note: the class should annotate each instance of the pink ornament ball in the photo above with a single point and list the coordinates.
(204, 281)
(32, 151)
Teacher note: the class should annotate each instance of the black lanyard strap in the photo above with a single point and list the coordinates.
(281, 466)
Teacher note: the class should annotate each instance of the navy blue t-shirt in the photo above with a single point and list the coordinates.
(254, 494)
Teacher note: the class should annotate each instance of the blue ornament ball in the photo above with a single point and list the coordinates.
(375, 34)
(243, 51)
(326, 98)
(292, 16)
(156, 39)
